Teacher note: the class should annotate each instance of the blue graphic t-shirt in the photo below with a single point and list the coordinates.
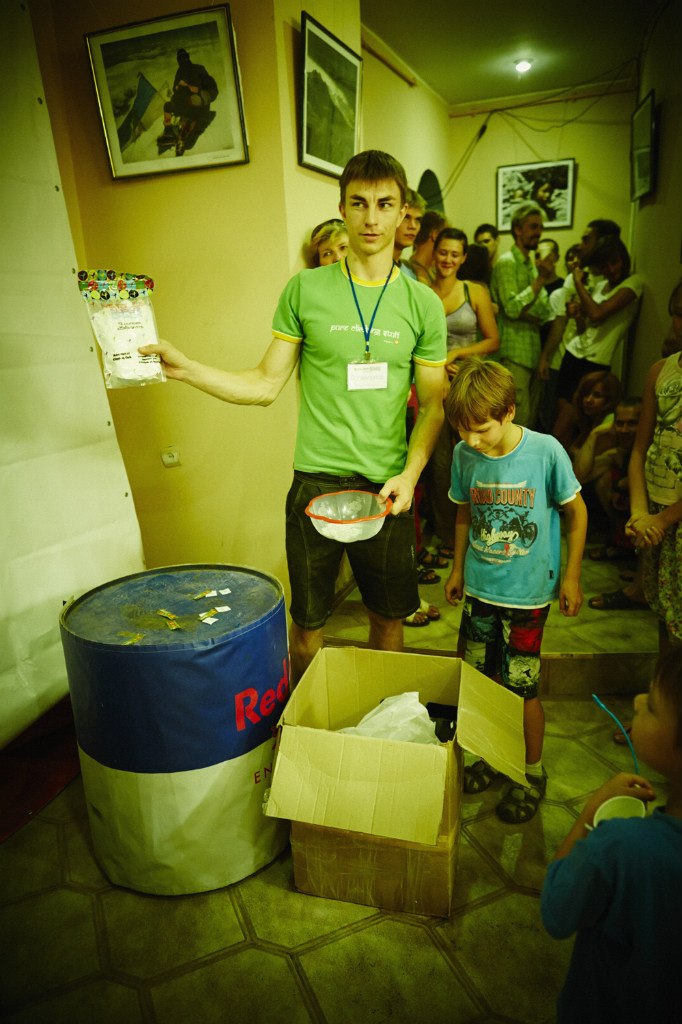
(514, 553)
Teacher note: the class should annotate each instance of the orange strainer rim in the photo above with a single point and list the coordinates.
(348, 522)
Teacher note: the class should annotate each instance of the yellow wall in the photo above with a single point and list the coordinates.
(409, 121)
(598, 141)
(658, 221)
(221, 242)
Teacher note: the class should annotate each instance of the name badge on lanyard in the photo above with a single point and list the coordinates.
(365, 374)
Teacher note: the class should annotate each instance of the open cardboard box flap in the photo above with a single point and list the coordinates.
(381, 787)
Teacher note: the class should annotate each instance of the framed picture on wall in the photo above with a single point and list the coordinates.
(330, 88)
(550, 184)
(169, 93)
(643, 148)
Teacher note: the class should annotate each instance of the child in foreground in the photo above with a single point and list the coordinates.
(619, 887)
(509, 483)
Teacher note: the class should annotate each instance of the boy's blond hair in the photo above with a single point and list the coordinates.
(481, 391)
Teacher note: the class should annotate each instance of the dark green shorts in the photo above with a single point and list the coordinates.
(384, 566)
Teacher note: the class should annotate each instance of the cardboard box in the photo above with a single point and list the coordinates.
(377, 821)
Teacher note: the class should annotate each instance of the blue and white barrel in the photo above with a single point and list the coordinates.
(178, 677)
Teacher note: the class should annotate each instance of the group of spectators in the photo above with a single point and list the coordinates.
(361, 328)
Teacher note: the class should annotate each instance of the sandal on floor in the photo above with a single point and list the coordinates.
(478, 776)
(616, 600)
(611, 553)
(418, 618)
(424, 614)
(431, 561)
(430, 610)
(520, 803)
(603, 553)
(446, 551)
(427, 576)
(618, 737)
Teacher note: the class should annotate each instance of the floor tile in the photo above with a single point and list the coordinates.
(103, 1002)
(390, 972)
(27, 863)
(280, 914)
(49, 940)
(148, 935)
(511, 927)
(250, 987)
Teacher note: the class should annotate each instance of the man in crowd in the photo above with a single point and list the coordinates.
(421, 260)
(409, 229)
(362, 330)
(562, 327)
(518, 288)
(488, 235)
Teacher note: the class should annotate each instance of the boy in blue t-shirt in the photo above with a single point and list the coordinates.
(509, 483)
(618, 886)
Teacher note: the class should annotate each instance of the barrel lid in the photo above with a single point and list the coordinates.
(173, 606)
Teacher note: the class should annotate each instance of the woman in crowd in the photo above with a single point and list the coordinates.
(655, 473)
(472, 330)
(328, 243)
(593, 404)
(603, 319)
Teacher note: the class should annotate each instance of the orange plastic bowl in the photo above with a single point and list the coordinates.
(348, 516)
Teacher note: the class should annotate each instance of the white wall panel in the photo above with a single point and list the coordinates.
(68, 521)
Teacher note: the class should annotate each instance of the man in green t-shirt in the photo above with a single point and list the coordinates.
(362, 332)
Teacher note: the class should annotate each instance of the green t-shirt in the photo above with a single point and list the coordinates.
(356, 432)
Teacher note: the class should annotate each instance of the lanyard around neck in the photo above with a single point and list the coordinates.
(367, 331)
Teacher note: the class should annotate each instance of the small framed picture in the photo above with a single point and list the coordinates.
(169, 93)
(550, 184)
(643, 148)
(330, 92)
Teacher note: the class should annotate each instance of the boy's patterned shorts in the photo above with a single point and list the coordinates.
(504, 643)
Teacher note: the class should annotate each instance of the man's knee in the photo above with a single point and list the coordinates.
(385, 634)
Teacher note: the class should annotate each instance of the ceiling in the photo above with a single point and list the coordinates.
(465, 50)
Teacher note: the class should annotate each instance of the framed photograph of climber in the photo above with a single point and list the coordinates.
(329, 92)
(169, 93)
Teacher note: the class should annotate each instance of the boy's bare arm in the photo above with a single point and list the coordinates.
(623, 784)
(570, 593)
(454, 587)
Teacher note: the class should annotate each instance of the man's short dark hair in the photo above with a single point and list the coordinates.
(373, 165)
(414, 200)
(431, 221)
(610, 251)
(483, 229)
(455, 234)
(605, 228)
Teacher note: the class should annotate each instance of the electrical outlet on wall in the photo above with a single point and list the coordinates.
(170, 457)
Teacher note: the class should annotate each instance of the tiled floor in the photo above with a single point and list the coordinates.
(81, 951)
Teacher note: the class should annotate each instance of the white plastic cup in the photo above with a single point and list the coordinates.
(620, 807)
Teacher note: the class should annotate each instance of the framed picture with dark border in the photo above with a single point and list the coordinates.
(330, 92)
(169, 93)
(550, 184)
(643, 148)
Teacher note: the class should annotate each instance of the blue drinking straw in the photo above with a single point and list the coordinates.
(622, 728)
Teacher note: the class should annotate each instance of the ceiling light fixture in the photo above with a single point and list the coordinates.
(523, 65)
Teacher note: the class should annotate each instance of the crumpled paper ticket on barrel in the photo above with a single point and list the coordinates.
(122, 320)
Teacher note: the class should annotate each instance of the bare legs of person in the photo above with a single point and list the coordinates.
(533, 728)
(384, 635)
(303, 646)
